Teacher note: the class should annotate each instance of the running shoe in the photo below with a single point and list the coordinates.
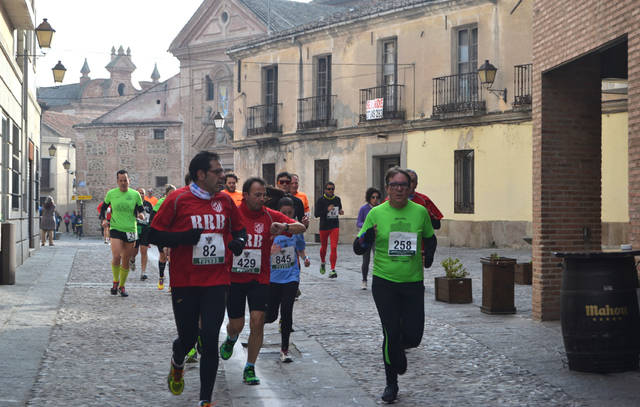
(298, 293)
(192, 356)
(322, 268)
(203, 403)
(175, 380)
(132, 264)
(143, 277)
(390, 393)
(285, 357)
(226, 349)
(249, 376)
(114, 288)
(123, 292)
(364, 285)
(161, 283)
(333, 274)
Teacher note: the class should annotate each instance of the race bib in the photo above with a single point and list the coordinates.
(131, 236)
(247, 262)
(284, 259)
(403, 243)
(209, 250)
(333, 213)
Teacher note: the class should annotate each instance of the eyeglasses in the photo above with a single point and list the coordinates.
(331, 189)
(284, 182)
(399, 185)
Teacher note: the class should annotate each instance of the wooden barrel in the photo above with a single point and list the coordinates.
(600, 322)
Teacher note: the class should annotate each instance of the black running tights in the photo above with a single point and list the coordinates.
(401, 310)
(189, 304)
(282, 296)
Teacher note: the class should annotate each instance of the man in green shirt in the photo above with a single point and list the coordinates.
(126, 207)
(398, 229)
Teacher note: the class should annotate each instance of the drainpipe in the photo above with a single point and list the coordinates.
(297, 42)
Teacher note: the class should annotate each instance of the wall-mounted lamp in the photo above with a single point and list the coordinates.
(66, 165)
(58, 72)
(487, 74)
(52, 151)
(44, 33)
(218, 120)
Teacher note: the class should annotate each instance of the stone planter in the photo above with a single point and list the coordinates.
(523, 274)
(453, 290)
(497, 285)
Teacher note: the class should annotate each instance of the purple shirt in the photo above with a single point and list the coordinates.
(362, 214)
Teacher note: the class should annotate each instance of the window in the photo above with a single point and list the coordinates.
(121, 89)
(467, 50)
(209, 87)
(323, 88)
(15, 169)
(158, 134)
(269, 173)
(239, 76)
(320, 177)
(389, 62)
(161, 182)
(224, 17)
(45, 174)
(270, 88)
(463, 181)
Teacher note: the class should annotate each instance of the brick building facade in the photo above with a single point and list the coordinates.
(575, 46)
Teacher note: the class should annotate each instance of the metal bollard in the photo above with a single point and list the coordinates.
(7, 245)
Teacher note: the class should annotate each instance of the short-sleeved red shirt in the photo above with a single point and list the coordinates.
(258, 225)
(218, 216)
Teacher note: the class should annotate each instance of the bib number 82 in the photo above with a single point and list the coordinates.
(209, 250)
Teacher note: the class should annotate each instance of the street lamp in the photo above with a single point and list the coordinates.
(44, 33)
(58, 72)
(487, 74)
(218, 120)
(66, 164)
(52, 151)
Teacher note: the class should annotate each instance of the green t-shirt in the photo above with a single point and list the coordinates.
(399, 259)
(156, 208)
(123, 204)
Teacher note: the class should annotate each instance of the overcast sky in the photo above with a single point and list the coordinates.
(89, 28)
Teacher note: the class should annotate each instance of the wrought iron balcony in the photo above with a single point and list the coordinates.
(523, 75)
(458, 95)
(316, 111)
(382, 102)
(263, 119)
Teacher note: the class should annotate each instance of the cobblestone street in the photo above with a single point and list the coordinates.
(106, 350)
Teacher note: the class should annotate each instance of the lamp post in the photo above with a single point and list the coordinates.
(58, 72)
(487, 74)
(44, 33)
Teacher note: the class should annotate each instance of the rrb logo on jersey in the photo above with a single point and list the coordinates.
(217, 206)
(259, 227)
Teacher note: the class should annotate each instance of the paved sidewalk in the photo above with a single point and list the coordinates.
(65, 341)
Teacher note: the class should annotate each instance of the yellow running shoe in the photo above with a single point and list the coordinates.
(161, 283)
(175, 380)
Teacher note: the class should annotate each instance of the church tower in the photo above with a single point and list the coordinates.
(120, 69)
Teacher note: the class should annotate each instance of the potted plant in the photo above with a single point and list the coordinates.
(524, 272)
(455, 286)
(497, 284)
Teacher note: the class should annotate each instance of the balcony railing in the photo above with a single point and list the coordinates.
(522, 77)
(264, 119)
(382, 102)
(458, 94)
(316, 111)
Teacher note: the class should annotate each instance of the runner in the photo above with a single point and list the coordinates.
(150, 198)
(250, 272)
(162, 253)
(230, 181)
(198, 223)
(142, 243)
(295, 184)
(283, 183)
(328, 207)
(126, 205)
(397, 229)
(285, 278)
(372, 197)
(66, 219)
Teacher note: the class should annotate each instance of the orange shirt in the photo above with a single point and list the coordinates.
(305, 201)
(152, 200)
(236, 196)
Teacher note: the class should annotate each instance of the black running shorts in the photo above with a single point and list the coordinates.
(255, 293)
(125, 237)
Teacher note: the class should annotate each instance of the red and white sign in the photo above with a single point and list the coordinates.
(374, 108)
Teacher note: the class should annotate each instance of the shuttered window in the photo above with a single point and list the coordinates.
(463, 181)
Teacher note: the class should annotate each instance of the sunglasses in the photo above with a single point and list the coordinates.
(284, 182)
(331, 189)
(375, 196)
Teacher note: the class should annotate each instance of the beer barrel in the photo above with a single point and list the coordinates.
(599, 314)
